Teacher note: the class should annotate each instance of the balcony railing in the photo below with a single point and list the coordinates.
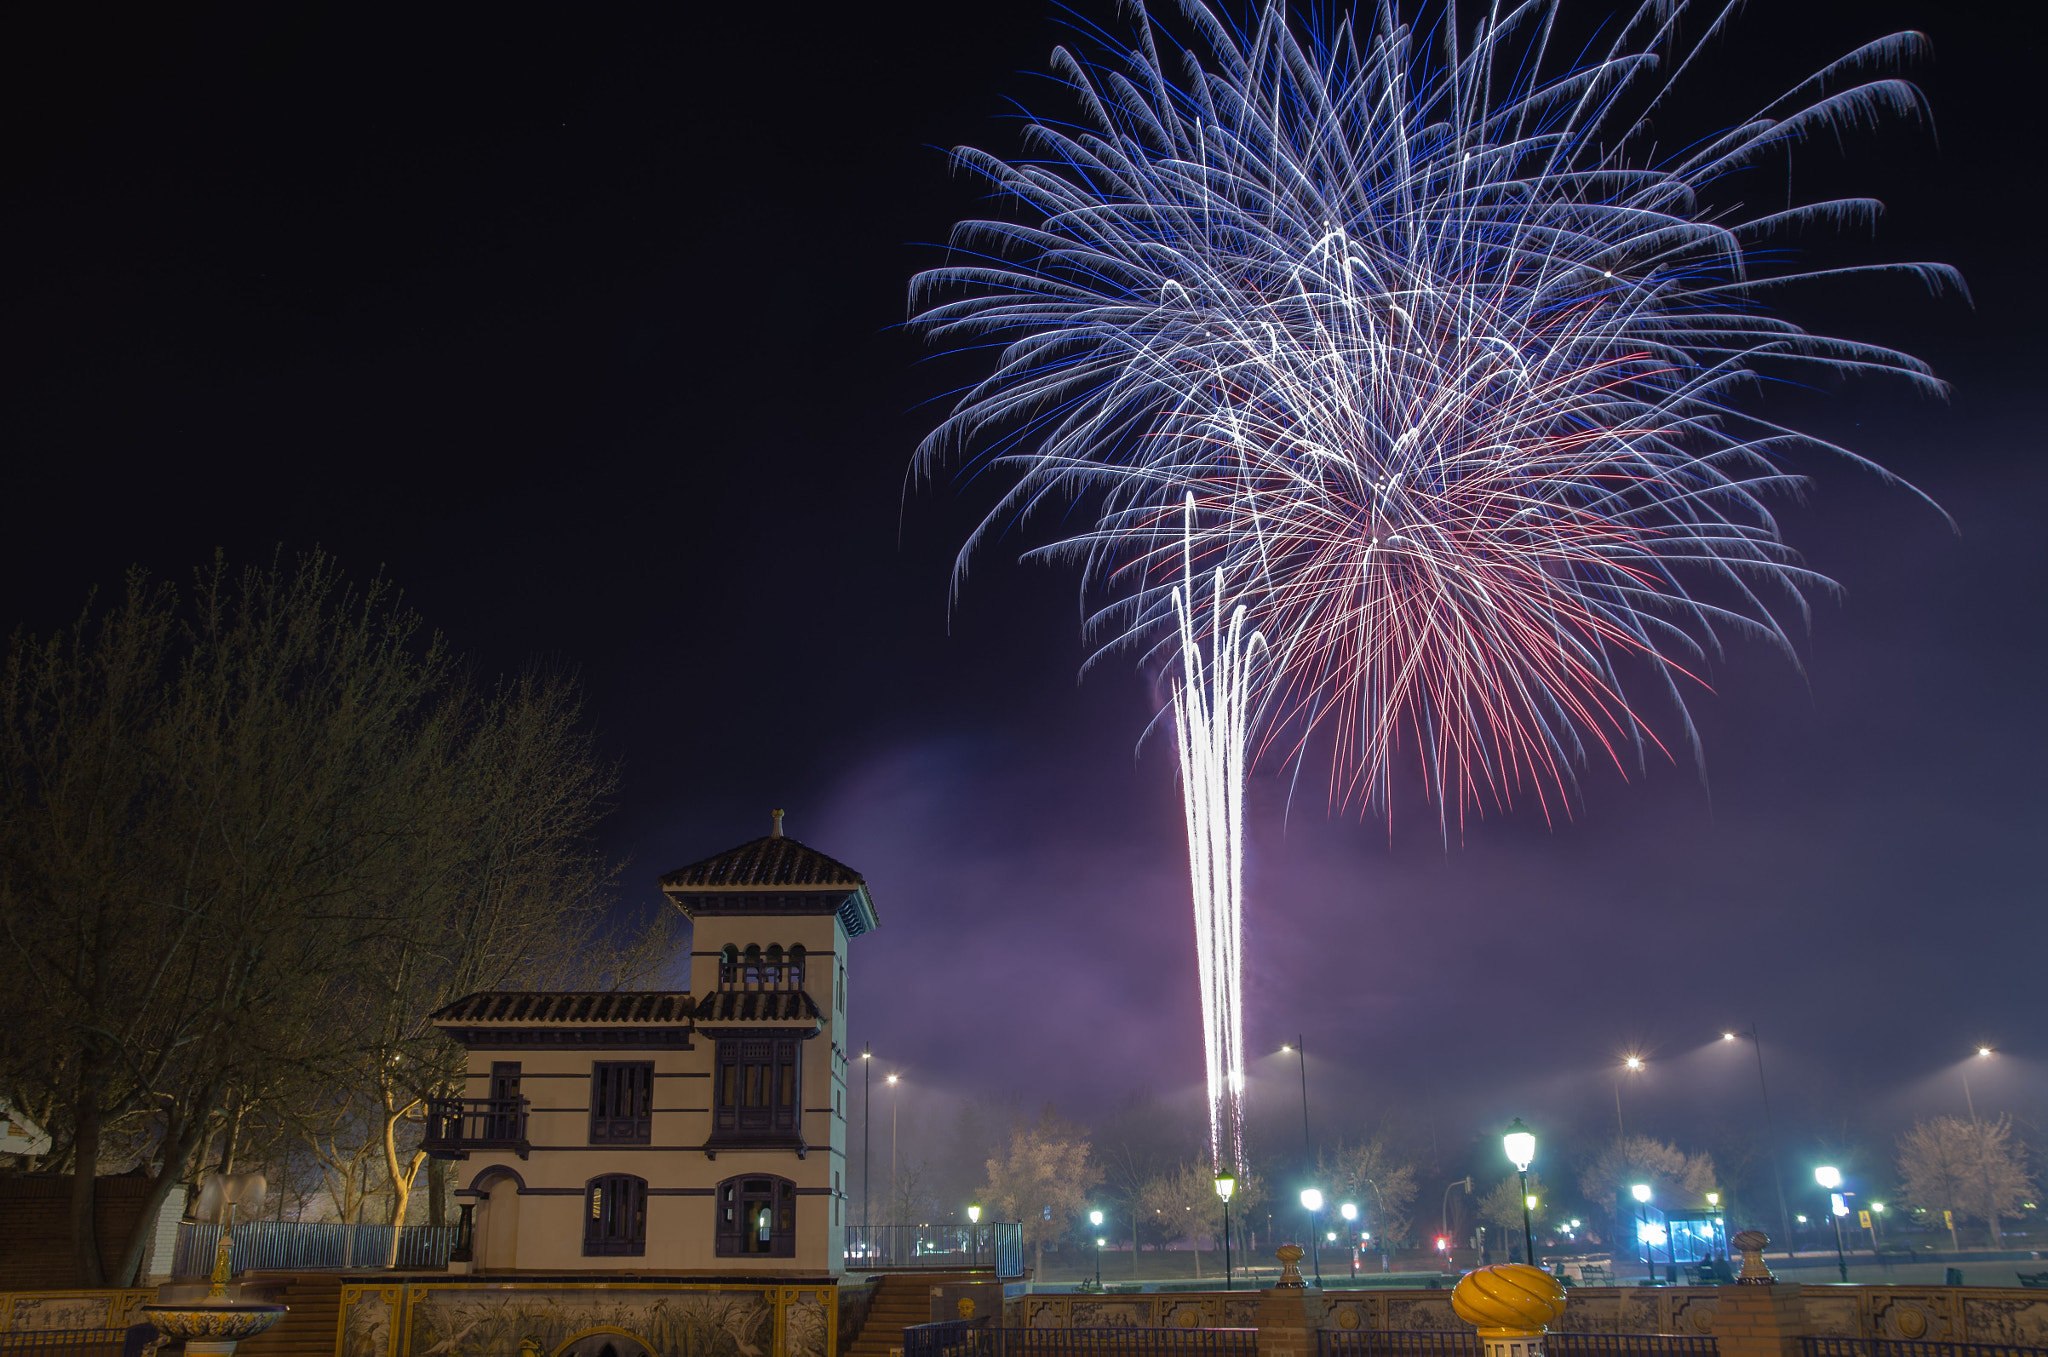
(994, 1245)
(455, 1126)
(304, 1246)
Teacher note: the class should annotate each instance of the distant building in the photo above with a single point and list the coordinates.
(672, 1131)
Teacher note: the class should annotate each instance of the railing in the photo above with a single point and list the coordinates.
(1894, 1347)
(296, 1246)
(1465, 1343)
(455, 1126)
(995, 1245)
(129, 1342)
(970, 1338)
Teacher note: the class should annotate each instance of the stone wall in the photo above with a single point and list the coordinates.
(572, 1318)
(1924, 1313)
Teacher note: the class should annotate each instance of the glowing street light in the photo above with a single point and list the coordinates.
(1349, 1210)
(1830, 1177)
(1095, 1219)
(1312, 1202)
(1520, 1144)
(1641, 1192)
(1225, 1185)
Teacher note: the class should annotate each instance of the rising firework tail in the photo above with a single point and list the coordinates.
(1445, 351)
(1211, 713)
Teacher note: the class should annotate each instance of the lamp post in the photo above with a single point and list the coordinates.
(973, 1234)
(1225, 1185)
(1312, 1202)
(895, 1109)
(1641, 1192)
(1831, 1178)
(1095, 1219)
(867, 1158)
(1983, 1150)
(1308, 1155)
(1349, 1210)
(1520, 1144)
(1770, 1129)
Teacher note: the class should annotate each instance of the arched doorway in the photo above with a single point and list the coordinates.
(497, 1223)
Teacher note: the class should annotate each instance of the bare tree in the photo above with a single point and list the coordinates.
(1042, 1180)
(1671, 1174)
(249, 840)
(1381, 1181)
(1966, 1168)
(1502, 1207)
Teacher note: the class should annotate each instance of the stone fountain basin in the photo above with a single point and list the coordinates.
(217, 1322)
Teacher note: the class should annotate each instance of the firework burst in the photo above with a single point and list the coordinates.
(1445, 352)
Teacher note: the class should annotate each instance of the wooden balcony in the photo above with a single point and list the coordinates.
(457, 1126)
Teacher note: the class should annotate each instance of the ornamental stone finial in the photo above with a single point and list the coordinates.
(1750, 1244)
(1290, 1274)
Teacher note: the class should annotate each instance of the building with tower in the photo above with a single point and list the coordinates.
(679, 1132)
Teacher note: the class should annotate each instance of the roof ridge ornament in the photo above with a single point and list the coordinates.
(775, 832)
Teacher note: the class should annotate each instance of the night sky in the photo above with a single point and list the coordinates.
(580, 324)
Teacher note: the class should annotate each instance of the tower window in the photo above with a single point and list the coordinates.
(757, 1085)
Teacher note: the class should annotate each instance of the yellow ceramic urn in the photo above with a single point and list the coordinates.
(1512, 1305)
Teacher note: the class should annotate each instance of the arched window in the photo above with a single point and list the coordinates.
(615, 1216)
(757, 1216)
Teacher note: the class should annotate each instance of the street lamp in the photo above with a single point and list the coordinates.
(895, 1109)
(1632, 1065)
(1983, 1158)
(867, 1065)
(1225, 1185)
(1095, 1219)
(1520, 1143)
(973, 1235)
(1770, 1127)
(1349, 1210)
(1641, 1192)
(1300, 1053)
(1830, 1178)
(1312, 1202)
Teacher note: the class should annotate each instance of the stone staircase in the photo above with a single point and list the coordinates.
(312, 1329)
(903, 1299)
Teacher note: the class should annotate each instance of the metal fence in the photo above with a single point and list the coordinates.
(948, 1247)
(970, 1338)
(128, 1342)
(1465, 1343)
(298, 1246)
(1893, 1347)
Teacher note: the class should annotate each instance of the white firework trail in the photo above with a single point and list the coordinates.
(1211, 708)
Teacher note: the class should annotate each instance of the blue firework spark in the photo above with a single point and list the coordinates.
(1450, 355)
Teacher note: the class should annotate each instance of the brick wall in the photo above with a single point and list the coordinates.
(35, 1248)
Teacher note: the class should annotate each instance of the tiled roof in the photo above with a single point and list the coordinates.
(555, 1008)
(773, 862)
(780, 1007)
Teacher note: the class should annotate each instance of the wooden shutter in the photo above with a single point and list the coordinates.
(622, 1102)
